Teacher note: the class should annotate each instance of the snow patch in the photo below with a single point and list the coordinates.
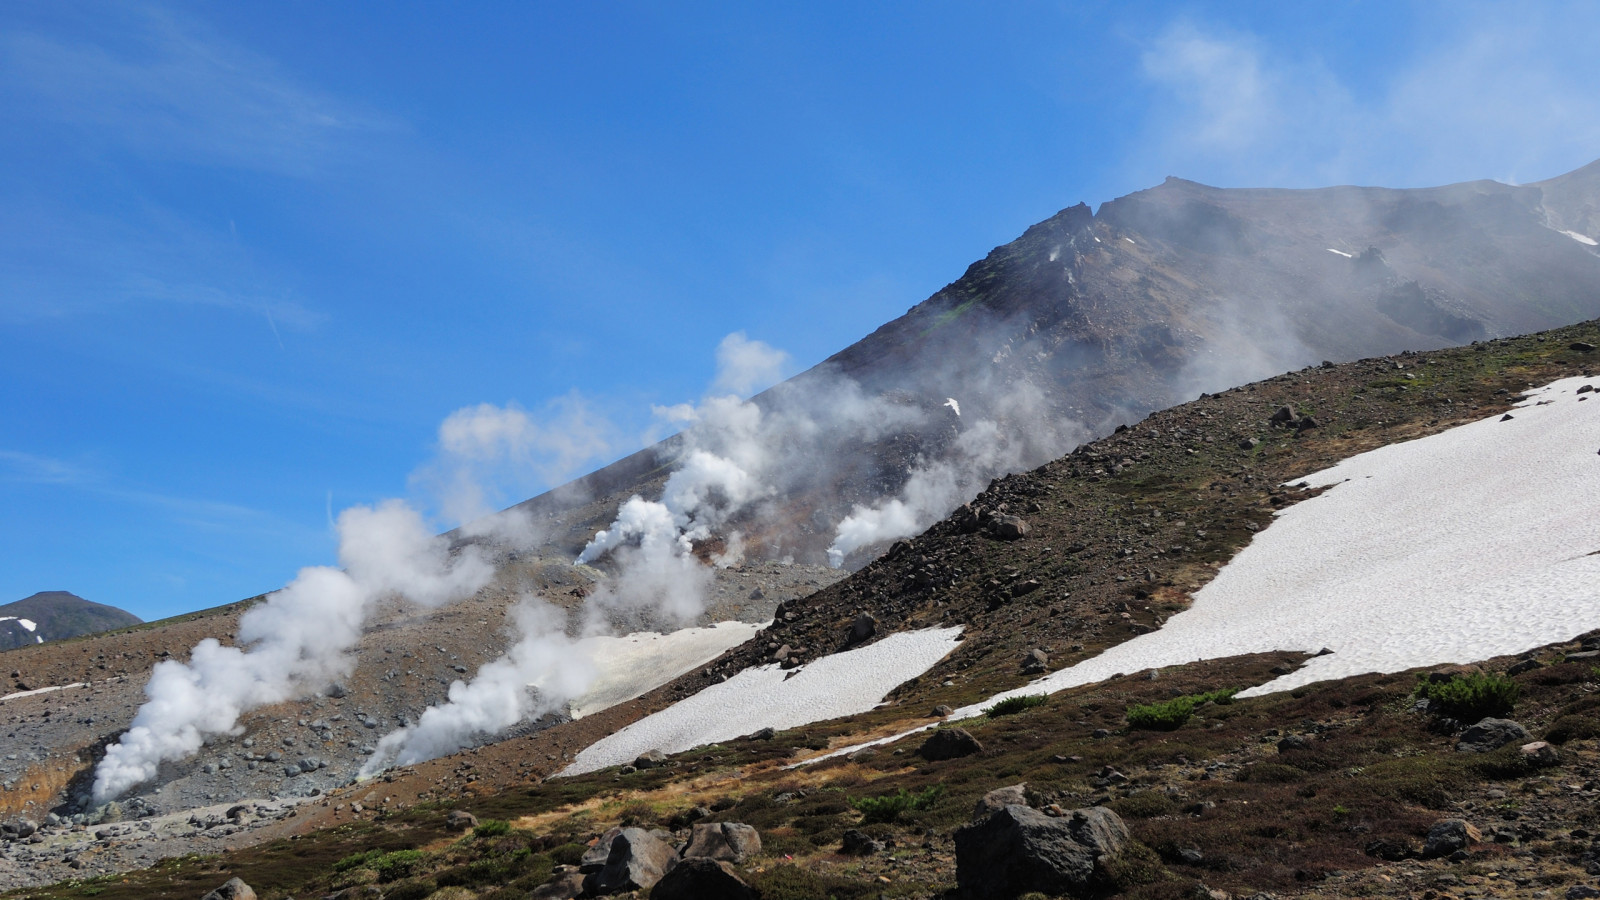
(951, 402)
(43, 690)
(635, 664)
(842, 684)
(1128, 239)
(1581, 238)
(1342, 253)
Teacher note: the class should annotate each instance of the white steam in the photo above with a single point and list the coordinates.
(541, 672)
(292, 645)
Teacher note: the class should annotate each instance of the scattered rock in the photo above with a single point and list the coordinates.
(1448, 836)
(1292, 743)
(232, 889)
(1249, 444)
(949, 743)
(460, 820)
(594, 858)
(941, 711)
(1017, 850)
(699, 878)
(1490, 734)
(637, 861)
(729, 841)
(1008, 528)
(1540, 754)
(865, 626)
(650, 759)
(858, 843)
(1000, 798)
(1307, 423)
(1283, 416)
(566, 886)
(1036, 662)
(1581, 347)
(1390, 850)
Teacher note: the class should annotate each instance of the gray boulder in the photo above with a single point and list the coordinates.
(594, 858)
(637, 861)
(1540, 754)
(949, 743)
(1036, 662)
(1449, 835)
(1000, 798)
(856, 842)
(1018, 850)
(460, 820)
(565, 886)
(865, 626)
(1490, 734)
(650, 759)
(1008, 528)
(728, 841)
(232, 889)
(699, 878)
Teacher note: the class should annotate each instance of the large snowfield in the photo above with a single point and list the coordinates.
(635, 664)
(842, 684)
(1479, 541)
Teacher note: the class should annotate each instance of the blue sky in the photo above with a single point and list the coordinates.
(253, 255)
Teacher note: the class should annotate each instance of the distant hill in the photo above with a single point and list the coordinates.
(53, 615)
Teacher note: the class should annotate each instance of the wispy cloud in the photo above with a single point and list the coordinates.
(23, 468)
(1491, 93)
(164, 86)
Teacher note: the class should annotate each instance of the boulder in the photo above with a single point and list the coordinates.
(729, 841)
(1018, 850)
(1008, 528)
(651, 759)
(232, 889)
(1000, 798)
(856, 842)
(637, 861)
(1490, 734)
(699, 878)
(1540, 754)
(565, 886)
(1036, 662)
(949, 743)
(460, 820)
(19, 829)
(941, 711)
(865, 626)
(1293, 742)
(1581, 346)
(1284, 416)
(594, 858)
(1449, 835)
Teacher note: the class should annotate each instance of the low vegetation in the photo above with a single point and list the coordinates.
(1171, 714)
(1469, 697)
(1013, 705)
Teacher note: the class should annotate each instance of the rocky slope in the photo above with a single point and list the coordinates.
(56, 615)
(1119, 535)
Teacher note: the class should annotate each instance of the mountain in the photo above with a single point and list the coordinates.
(55, 615)
(1094, 319)
(1084, 332)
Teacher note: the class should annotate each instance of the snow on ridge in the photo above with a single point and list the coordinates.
(635, 664)
(1342, 253)
(1581, 238)
(1475, 542)
(841, 684)
(28, 624)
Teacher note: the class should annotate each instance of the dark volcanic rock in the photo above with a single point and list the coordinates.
(700, 878)
(1491, 734)
(1017, 850)
(730, 841)
(638, 860)
(949, 743)
(1449, 835)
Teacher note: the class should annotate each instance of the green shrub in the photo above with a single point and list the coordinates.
(567, 854)
(1012, 705)
(489, 828)
(1470, 697)
(889, 807)
(1171, 714)
(396, 864)
(357, 860)
(1572, 728)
